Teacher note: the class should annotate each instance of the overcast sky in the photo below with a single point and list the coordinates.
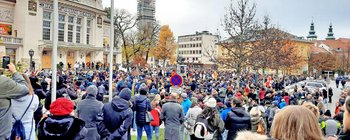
(188, 16)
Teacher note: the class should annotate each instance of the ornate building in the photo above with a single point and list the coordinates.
(28, 24)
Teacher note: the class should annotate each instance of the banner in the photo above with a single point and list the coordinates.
(5, 29)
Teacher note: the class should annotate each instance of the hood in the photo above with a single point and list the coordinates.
(60, 126)
(255, 120)
(239, 111)
(119, 104)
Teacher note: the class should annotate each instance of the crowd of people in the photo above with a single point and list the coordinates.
(209, 104)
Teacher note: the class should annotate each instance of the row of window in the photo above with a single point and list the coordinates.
(187, 39)
(193, 59)
(191, 52)
(190, 45)
(74, 27)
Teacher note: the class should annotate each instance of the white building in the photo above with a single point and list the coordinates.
(28, 24)
(199, 49)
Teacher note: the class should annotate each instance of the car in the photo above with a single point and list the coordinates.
(313, 85)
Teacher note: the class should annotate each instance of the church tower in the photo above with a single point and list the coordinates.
(312, 33)
(330, 35)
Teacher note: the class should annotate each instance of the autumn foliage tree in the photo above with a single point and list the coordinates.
(166, 47)
(323, 61)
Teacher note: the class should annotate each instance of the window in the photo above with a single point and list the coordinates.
(61, 18)
(46, 25)
(88, 31)
(70, 33)
(200, 51)
(78, 31)
(70, 19)
(60, 31)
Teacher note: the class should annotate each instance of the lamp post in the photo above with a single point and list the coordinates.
(31, 53)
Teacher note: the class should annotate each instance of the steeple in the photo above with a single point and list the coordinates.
(330, 35)
(312, 32)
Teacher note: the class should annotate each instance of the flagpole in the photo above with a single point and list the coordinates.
(54, 50)
(111, 46)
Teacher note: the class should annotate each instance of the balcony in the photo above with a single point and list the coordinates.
(10, 40)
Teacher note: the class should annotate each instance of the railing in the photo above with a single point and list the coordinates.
(11, 40)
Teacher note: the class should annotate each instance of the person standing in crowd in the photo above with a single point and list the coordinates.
(141, 105)
(191, 118)
(256, 120)
(296, 123)
(343, 82)
(329, 126)
(156, 111)
(118, 116)
(10, 89)
(330, 94)
(212, 116)
(60, 124)
(337, 81)
(23, 109)
(272, 112)
(173, 117)
(186, 104)
(346, 121)
(90, 111)
(237, 119)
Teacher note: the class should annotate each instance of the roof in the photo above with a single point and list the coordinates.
(341, 43)
(316, 49)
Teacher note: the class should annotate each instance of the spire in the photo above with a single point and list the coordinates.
(312, 32)
(330, 35)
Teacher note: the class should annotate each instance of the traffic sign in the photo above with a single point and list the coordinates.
(176, 80)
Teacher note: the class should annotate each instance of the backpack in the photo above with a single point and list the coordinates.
(202, 130)
(261, 129)
(18, 131)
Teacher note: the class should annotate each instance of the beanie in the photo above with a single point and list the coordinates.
(143, 89)
(125, 94)
(61, 107)
(210, 102)
(91, 91)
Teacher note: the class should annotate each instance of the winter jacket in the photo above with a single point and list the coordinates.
(282, 105)
(215, 125)
(237, 119)
(186, 104)
(173, 117)
(118, 118)
(224, 113)
(272, 114)
(255, 122)
(191, 117)
(156, 116)
(61, 128)
(10, 89)
(141, 104)
(90, 111)
(18, 108)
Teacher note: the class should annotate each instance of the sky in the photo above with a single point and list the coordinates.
(188, 16)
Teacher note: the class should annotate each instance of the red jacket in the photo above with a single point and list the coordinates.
(156, 116)
(262, 94)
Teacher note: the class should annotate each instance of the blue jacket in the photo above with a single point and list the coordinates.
(117, 118)
(224, 113)
(237, 120)
(186, 104)
(141, 104)
(282, 105)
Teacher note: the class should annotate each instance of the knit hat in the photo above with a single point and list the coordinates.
(61, 107)
(210, 102)
(184, 95)
(194, 101)
(143, 89)
(328, 113)
(91, 91)
(153, 90)
(125, 94)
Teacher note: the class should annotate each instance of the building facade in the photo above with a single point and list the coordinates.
(30, 23)
(146, 10)
(199, 50)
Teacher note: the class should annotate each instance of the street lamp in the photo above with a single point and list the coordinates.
(31, 53)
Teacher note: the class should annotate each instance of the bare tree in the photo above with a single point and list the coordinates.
(240, 24)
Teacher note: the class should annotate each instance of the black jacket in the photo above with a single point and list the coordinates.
(237, 119)
(61, 128)
(61, 92)
(118, 118)
(141, 104)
